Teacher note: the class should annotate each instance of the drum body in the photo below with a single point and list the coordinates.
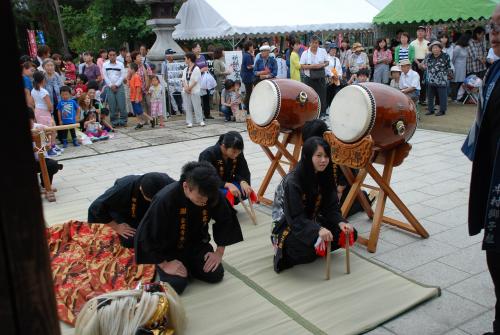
(373, 109)
(290, 102)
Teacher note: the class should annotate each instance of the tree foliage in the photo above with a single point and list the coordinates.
(85, 22)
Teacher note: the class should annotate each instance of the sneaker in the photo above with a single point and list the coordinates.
(189, 125)
(202, 124)
(52, 153)
(153, 123)
(138, 126)
(429, 113)
(75, 143)
(58, 149)
(65, 143)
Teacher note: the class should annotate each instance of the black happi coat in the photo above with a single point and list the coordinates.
(303, 214)
(484, 198)
(174, 227)
(123, 203)
(231, 171)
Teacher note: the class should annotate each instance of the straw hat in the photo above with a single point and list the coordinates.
(357, 47)
(404, 62)
(395, 69)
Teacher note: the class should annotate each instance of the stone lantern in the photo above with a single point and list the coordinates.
(163, 24)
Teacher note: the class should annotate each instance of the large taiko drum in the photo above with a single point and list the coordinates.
(290, 102)
(373, 109)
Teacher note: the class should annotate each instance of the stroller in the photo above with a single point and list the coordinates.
(470, 88)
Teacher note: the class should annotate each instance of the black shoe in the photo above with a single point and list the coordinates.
(429, 113)
(139, 126)
(439, 114)
(210, 117)
(153, 123)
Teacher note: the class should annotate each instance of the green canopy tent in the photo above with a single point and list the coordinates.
(434, 11)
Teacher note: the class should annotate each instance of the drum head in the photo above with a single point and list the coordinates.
(264, 103)
(352, 113)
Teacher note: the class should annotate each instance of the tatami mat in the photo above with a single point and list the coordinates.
(253, 299)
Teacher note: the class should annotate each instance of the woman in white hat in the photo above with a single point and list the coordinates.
(439, 71)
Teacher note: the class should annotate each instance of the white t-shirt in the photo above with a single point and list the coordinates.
(38, 97)
(310, 58)
(492, 55)
(195, 76)
(333, 62)
(411, 79)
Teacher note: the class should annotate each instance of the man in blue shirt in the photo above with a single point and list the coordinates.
(247, 76)
(266, 66)
(67, 110)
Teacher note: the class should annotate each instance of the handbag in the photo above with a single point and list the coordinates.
(315, 73)
(207, 82)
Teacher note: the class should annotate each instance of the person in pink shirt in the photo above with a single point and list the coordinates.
(382, 58)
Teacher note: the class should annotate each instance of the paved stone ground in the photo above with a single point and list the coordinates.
(433, 182)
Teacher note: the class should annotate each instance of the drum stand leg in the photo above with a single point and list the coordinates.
(288, 138)
(360, 196)
(385, 191)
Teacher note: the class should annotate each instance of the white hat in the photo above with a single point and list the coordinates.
(265, 48)
(273, 48)
(395, 69)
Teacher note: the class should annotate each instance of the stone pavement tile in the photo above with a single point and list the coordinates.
(432, 227)
(415, 254)
(446, 187)
(452, 217)
(478, 288)
(437, 274)
(479, 325)
(382, 247)
(423, 152)
(409, 185)
(435, 317)
(169, 138)
(458, 237)
(440, 176)
(456, 332)
(417, 209)
(436, 167)
(471, 259)
(379, 331)
(414, 197)
(449, 201)
(397, 236)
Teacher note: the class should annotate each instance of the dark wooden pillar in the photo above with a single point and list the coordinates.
(27, 302)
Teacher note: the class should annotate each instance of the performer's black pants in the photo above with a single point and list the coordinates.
(493, 260)
(297, 252)
(319, 86)
(194, 262)
(52, 168)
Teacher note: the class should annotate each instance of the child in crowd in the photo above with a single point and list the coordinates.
(52, 166)
(157, 96)
(81, 85)
(362, 76)
(95, 100)
(86, 107)
(135, 84)
(395, 75)
(68, 110)
(43, 106)
(70, 70)
(236, 97)
(93, 128)
(226, 99)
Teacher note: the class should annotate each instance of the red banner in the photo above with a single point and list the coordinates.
(32, 43)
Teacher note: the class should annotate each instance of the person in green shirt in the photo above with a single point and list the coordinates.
(295, 60)
(405, 50)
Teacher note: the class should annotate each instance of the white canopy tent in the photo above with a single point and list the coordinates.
(211, 19)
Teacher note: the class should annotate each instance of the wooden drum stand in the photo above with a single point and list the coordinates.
(40, 150)
(362, 155)
(268, 137)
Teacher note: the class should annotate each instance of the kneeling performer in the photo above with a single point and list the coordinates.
(174, 232)
(123, 205)
(306, 209)
(227, 158)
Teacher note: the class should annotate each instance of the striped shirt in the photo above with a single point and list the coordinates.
(403, 53)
